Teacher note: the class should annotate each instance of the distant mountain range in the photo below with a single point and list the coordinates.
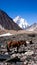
(33, 27)
(7, 23)
(24, 25)
(18, 23)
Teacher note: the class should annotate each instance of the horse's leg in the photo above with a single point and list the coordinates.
(25, 44)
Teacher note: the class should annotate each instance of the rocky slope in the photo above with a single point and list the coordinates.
(7, 23)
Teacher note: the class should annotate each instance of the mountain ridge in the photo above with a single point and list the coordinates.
(7, 23)
(33, 27)
(18, 23)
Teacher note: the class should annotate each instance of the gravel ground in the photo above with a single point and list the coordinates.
(30, 56)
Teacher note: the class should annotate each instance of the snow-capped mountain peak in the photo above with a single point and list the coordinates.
(21, 22)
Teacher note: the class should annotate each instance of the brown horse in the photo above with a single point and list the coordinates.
(15, 43)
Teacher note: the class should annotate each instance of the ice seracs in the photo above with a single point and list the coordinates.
(21, 22)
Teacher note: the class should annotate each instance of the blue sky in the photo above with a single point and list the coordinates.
(25, 8)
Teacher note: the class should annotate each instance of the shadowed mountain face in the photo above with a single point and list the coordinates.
(7, 23)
